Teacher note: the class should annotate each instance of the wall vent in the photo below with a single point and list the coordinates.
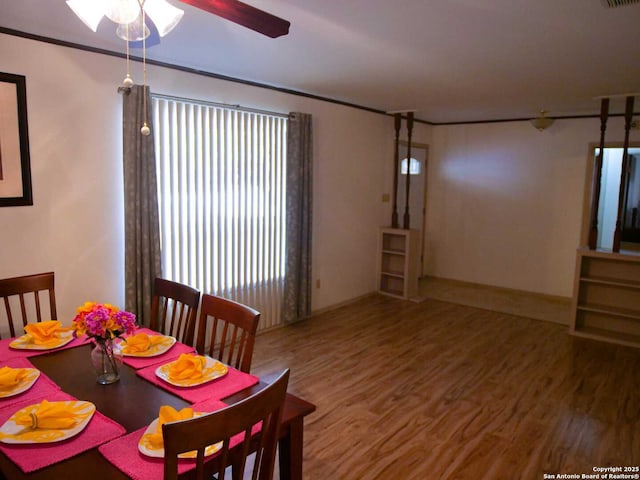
(618, 3)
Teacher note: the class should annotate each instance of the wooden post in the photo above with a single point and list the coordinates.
(628, 116)
(597, 174)
(407, 221)
(397, 119)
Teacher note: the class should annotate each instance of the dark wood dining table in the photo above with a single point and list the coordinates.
(134, 403)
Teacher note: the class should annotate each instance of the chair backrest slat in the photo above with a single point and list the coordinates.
(25, 288)
(222, 342)
(7, 308)
(174, 308)
(227, 331)
(23, 309)
(38, 306)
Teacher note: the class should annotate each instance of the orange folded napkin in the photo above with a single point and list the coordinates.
(45, 333)
(167, 414)
(187, 367)
(141, 342)
(53, 416)
(11, 377)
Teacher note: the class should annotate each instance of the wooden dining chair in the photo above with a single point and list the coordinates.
(265, 406)
(17, 292)
(227, 331)
(174, 307)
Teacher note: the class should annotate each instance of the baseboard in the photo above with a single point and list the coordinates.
(319, 311)
(538, 306)
(342, 304)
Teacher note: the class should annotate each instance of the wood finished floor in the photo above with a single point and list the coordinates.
(435, 390)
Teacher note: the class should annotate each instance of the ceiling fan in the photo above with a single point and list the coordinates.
(161, 17)
(245, 15)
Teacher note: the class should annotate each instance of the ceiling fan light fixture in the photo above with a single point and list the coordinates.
(128, 12)
(164, 15)
(89, 11)
(122, 11)
(134, 31)
(542, 122)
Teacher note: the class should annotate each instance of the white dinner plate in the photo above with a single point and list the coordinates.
(212, 369)
(159, 453)
(11, 432)
(25, 384)
(25, 342)
(152, 351)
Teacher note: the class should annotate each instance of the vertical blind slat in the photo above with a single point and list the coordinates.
(221, 189)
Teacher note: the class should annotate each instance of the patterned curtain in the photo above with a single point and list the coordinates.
(142, 232)
(297, 282)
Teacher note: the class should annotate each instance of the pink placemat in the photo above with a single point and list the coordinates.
(171, 354)
(217, 389)
(43, 386)
(6, 352)
(124, 454)
(34, 457)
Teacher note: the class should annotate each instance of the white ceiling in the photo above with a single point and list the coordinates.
(450, 60)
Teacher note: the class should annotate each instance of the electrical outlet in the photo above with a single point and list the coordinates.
(385, 198)
(318, 283)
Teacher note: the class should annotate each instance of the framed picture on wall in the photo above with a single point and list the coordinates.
(15, 167)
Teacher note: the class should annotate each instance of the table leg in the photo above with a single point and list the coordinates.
(290, 451)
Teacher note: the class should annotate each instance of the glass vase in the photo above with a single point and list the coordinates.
(107, 361)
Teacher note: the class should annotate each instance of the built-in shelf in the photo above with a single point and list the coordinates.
(394, 252)
(612, 281)
(393, 274)
(606, 300)
(610, 310)
(609, 335)
(397, 262)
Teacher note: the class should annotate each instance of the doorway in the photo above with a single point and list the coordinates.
(416, 169)
(610, 197)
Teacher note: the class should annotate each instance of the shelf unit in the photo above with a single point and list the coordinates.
(398, 262)
(606, 299)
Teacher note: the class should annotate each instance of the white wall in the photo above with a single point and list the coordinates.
(505, 202)
(75, 226)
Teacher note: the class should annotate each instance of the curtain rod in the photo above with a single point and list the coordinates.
(221, 105)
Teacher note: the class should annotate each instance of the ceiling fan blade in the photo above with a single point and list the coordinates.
(245, 15)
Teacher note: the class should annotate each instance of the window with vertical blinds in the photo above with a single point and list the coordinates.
(221, 194)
